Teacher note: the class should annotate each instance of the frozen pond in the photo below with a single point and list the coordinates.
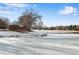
(38, 43)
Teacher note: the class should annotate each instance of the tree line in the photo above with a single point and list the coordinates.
(70, 27)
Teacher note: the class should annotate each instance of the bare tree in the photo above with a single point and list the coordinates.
(29, 18)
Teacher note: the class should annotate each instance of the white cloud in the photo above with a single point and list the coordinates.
(68, 10)
(6, 12)
(13, 8)
(10, 8)
(16, 5)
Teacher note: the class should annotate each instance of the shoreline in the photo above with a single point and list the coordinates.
(59, 31)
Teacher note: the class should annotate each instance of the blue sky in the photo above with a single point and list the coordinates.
(53, 14)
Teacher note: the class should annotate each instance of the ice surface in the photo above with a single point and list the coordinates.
(34, 43)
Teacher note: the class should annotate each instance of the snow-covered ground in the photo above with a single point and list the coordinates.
(38, 43)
